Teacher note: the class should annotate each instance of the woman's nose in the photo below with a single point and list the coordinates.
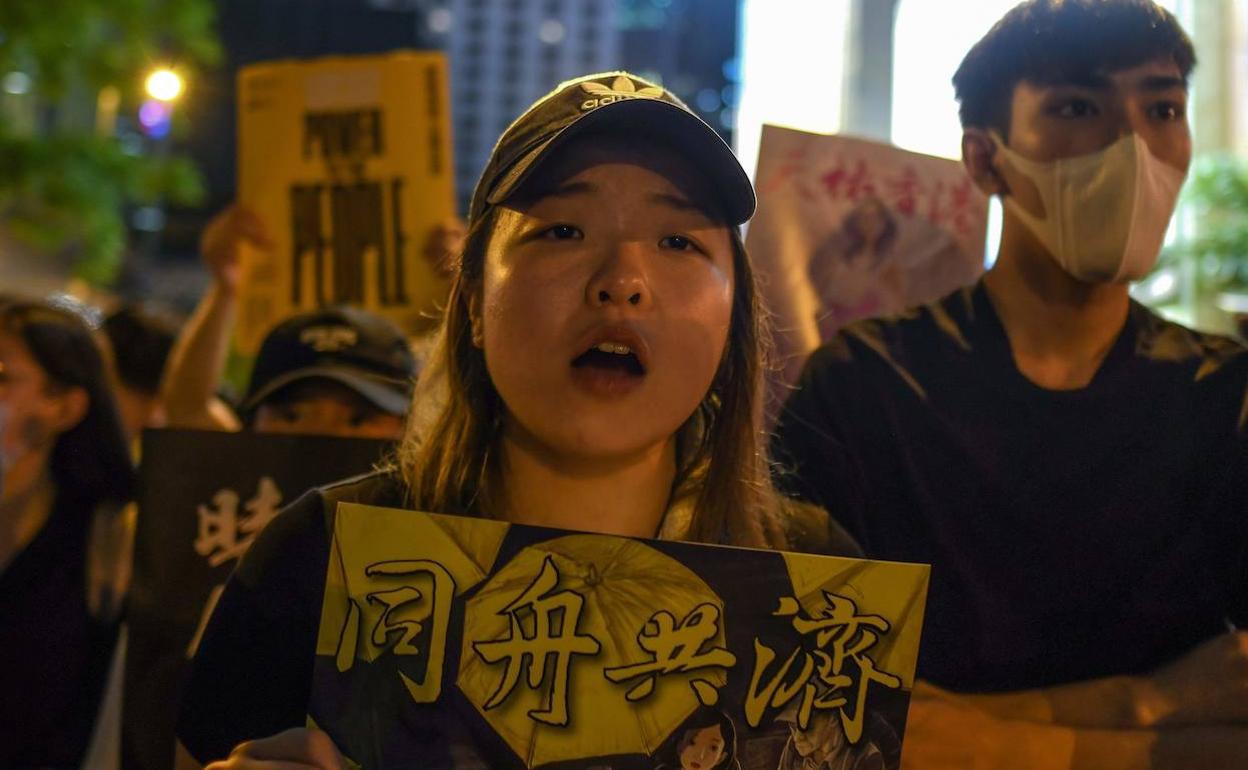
(621, 279)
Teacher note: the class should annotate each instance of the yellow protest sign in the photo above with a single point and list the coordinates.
(348, 162)
(458, 642)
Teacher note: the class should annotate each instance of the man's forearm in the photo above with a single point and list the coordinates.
(1206, 686)
(1117, 702)
(944, 734)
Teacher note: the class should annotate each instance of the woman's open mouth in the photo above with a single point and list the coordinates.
(611, 357)
(611, 367)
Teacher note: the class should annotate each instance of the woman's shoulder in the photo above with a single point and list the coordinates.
(809, 528)
(382, 487)
(301, 531)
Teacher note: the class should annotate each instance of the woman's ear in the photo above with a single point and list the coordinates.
(978, 154)
(69, 408)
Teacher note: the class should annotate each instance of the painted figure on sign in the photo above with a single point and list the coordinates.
(707, 740)
(852, 272)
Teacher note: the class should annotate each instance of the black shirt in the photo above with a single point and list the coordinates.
(55, 654)
(252, 673)
(1073, 534)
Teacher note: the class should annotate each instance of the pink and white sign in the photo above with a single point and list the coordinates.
(848, 228)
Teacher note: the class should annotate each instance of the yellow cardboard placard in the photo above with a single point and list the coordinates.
(347, 160)
(577, 648)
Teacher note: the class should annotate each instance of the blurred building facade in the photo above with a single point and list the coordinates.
(504, 54)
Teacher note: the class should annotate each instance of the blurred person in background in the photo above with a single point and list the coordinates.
(140, 340)
(63, 568)
(322, 372)
(341, 371)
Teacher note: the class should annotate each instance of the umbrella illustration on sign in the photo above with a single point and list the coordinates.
(590, 646)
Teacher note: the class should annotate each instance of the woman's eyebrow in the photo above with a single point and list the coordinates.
(570, 189)
(678, 202)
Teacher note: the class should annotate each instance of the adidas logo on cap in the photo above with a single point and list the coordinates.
(620, 89)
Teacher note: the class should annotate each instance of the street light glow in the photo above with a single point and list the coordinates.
(164, 84)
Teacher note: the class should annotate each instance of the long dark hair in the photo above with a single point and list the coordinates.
(90, 461)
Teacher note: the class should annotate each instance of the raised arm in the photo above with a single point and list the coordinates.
(197, 362)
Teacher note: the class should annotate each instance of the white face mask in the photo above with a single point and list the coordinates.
(1105, 214)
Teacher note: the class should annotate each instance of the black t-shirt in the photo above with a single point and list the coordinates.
(55, 654)
(1073, 534)
(252, 673)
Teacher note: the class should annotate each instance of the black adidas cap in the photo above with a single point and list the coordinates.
(611, 101)
(354, 347)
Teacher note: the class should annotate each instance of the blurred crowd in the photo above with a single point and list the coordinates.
(79, 386)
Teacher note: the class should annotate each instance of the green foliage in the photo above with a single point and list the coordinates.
(1217, 194)
(62, 185)
(68, 190)
(97, 43)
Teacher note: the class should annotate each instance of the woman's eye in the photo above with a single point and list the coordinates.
(677, 242)
(563, 233)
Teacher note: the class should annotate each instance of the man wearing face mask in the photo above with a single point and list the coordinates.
(1072, 465)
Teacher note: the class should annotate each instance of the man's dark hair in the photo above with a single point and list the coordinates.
(141, 339)
(1057, 41)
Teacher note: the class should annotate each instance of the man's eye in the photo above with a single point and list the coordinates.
(1076, 108)
(1168, 111)
(677, 242)
(563, 233)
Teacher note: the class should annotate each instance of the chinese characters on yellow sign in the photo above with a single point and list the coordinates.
(582, 647)
(840, 635)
